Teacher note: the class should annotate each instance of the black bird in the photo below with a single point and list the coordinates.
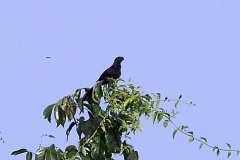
(112, 72)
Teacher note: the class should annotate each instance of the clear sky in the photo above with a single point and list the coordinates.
(172, 47)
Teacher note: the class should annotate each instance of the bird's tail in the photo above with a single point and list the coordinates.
(87, 94)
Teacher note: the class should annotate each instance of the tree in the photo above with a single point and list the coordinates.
(108, 119)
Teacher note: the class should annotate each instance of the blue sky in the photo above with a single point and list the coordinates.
(172, 47)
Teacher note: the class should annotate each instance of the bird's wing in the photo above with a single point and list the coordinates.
(107, 73)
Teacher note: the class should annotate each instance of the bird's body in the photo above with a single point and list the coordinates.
(114, 71)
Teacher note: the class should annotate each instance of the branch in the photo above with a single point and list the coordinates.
(202, 140)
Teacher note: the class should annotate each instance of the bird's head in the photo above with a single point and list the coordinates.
(119, 59)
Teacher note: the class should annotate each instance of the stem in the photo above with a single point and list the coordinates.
(190, 135)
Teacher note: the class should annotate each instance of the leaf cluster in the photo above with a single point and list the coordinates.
(107, 120)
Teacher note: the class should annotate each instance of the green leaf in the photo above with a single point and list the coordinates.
(63, 103)
(191, 133)
(29, 156)
(71, 151)
(238, 151)
(48, 112)
(126, 102)
(166, 98)
(90, 107)
(59, 115)
(51, 154)
(132, 155)
(70, 148)
(102, 126)
(200, 146)
(51, 136)
(20, 151)
(218, 152)
(80, 105)
(191, 140)
(41, 154)
(165, 123)
(154, 116)
(96, 110)
(229, 154)
(113, 140)
(184, 128)
(59, 154)
(83, 151)
(229, 146)
(158, 95)
(175, 105)
(97, 92)
(174, 132)
(215, 147)
(160, 116)
(87, 157)
(77, 94)
(167, 115)
(87, 127)
(205, 139)
(79, 100)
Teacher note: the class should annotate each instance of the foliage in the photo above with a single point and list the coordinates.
(104, 131)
